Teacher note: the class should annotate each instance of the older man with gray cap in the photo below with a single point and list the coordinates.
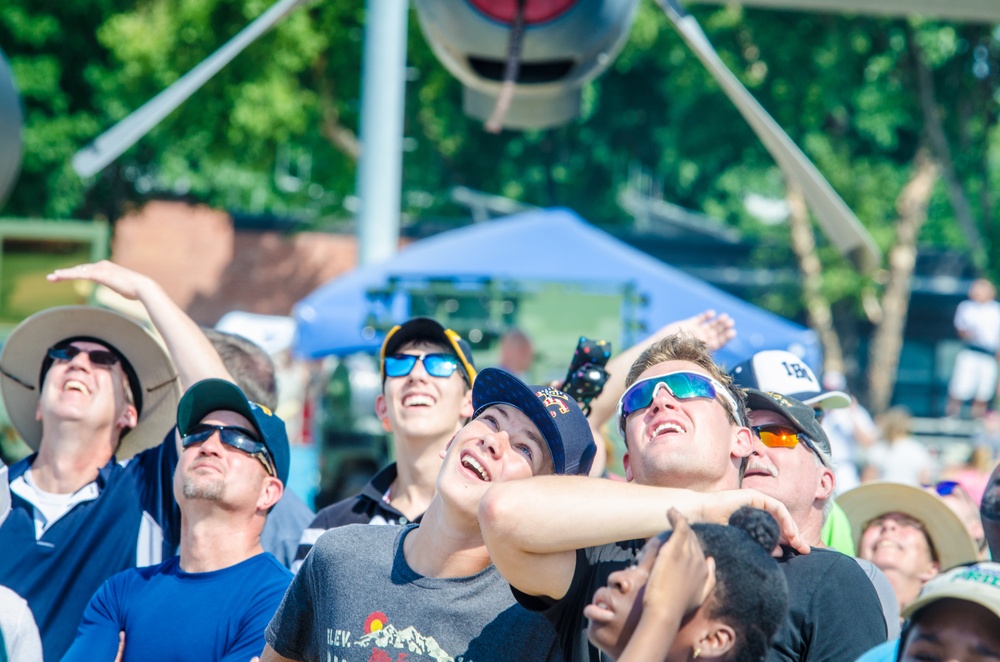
(790, 461)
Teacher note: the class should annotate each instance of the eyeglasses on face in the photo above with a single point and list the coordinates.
(99, 357)
(683, 385)
(234, 437)
(779, 436)
(945, 488)
(436, 365)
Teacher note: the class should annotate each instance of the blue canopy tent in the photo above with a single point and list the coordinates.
(553, 245)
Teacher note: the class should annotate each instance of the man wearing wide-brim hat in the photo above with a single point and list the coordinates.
(910, 534)
(85, 388)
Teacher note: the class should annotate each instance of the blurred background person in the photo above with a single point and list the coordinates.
(974, 377)
(851, 431)
(897, 456)
(517, 354)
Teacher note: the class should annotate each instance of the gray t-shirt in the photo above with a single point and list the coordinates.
(356, 598)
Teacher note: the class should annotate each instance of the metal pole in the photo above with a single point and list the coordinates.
(380, 168)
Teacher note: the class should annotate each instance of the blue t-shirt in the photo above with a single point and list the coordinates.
(132, 521)
(171, 615)
(887, 652)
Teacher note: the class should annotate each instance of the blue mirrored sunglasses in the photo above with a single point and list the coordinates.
(682, 385)
(436, 365)
(944, 488)
(235, 437)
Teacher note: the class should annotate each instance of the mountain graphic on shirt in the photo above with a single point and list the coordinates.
(407, 639)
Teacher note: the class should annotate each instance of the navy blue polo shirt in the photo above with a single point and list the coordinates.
(132, 521)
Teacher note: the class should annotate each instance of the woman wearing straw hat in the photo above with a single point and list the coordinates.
(909, 534)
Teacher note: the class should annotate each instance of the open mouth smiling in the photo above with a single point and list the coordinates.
(667, 427)
(75, 385)
(473, 465)
(418, 400)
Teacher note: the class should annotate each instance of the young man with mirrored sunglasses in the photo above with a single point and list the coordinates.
(685, 442)
(223, 588)
(427, 376)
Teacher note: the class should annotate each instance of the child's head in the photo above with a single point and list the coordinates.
(736, 622)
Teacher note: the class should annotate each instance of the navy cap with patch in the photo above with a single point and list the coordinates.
(556, 415)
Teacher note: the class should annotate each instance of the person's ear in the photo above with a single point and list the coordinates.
(827, 482)
(627, 463)
(444, 451)
(270, 493)
(932, 570)
(466, 412)
(129, 418)
(382, 411)
(742, 442)
(717, 641)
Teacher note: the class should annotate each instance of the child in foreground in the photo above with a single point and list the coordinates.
(706, 592)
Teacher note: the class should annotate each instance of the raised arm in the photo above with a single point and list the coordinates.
(536, 552)
(192, 353)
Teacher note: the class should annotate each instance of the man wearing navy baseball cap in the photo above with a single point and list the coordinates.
(223, 588)
(363, 586)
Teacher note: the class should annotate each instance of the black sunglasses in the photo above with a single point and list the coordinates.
(99, 357)
(235, 437)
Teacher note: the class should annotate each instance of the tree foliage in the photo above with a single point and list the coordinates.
(275, 132)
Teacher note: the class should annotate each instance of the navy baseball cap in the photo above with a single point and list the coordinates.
(555, 414)
(424, 328)
(211, 395)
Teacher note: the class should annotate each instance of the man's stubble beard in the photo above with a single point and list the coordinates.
(211, 490)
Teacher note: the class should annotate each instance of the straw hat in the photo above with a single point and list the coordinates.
(951, 540)
(157, 386)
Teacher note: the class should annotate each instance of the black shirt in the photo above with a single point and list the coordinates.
(834, 613)
(366, 507)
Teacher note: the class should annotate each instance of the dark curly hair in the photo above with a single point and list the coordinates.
(751, 595)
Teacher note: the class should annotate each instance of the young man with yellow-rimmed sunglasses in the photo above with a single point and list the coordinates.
(427, 376)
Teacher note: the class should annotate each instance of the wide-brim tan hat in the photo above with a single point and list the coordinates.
(25, 351)
(952, 541)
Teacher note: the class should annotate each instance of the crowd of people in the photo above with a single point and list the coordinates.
(152, 520)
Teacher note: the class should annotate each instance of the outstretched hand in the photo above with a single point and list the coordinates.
(713, 329)
(113, 276)
(718, 506)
